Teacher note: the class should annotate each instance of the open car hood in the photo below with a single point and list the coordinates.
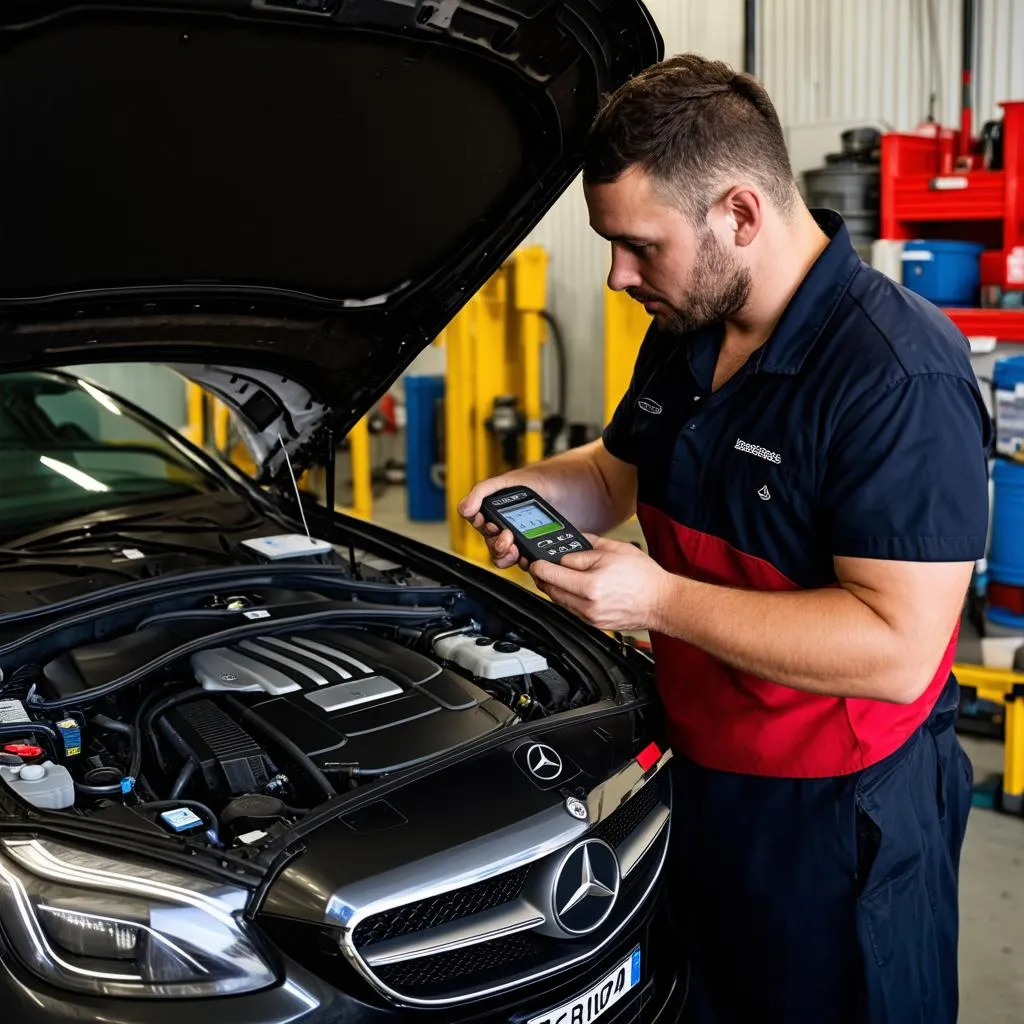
(306, 188)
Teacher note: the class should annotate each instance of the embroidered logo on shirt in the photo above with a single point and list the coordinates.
(754, 449)
(649, 405)
(764, 494)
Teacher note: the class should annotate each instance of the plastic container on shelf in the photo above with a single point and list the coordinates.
(945, 272)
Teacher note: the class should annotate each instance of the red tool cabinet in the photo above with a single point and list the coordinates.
(930, 191)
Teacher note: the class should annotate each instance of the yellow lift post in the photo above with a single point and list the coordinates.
(493, 350)
(625, 324)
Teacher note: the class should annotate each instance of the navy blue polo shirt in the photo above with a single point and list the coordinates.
(858, 429)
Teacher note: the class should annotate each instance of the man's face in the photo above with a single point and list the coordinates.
(684, 276)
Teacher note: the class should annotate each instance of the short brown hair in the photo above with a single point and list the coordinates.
(692, 124)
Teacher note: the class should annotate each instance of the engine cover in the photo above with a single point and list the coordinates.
(350, 697)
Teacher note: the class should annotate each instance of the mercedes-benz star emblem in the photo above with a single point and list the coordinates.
(586, 886)
(544, 762)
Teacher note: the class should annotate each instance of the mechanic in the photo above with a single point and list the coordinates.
(804, 444)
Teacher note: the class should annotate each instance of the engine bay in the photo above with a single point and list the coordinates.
(227, 716)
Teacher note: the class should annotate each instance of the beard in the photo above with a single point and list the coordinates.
(719, 288)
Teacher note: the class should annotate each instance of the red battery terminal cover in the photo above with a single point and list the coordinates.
(25, 751)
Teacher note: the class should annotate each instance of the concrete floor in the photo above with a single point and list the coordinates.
(991, 906)
(992, 870)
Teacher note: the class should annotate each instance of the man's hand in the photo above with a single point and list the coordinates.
(500, 543)
(614, 587)
(594, 490)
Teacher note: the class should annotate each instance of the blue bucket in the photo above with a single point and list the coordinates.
(1006, 548)
(944, 272)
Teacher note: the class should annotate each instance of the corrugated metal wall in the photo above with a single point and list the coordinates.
(830, 63)
(579, 259)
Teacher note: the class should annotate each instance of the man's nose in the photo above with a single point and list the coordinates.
(623, 273)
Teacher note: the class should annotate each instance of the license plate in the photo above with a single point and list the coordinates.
(590, 1005)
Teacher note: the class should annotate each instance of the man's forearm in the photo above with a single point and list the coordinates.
(576, 483)
(821, 641)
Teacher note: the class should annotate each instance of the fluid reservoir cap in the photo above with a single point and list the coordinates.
(506, 647)
(25, 750)
(32, 773)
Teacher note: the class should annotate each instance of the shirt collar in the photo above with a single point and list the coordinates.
(814, 302)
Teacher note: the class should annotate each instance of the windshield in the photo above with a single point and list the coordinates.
(68, 449)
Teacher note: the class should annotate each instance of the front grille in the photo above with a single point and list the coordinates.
(441, 909)
(482, 962)
(494, 963)
(621, 823)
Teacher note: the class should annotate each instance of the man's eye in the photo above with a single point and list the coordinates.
(640, 248)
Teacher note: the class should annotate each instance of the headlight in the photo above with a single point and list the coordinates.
(99, 924)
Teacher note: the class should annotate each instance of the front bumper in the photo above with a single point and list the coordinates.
(304, 999)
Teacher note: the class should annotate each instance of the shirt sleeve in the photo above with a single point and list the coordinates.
(906, 475)
(622, 435)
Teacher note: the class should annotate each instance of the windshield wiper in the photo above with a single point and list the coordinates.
(113, 543)
(67, 568)
(107, 524)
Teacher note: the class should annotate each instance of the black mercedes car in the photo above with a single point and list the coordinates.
(261, 762)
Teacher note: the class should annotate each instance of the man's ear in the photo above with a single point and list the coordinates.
(742, 214)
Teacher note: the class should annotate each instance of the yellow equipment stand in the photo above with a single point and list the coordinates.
(1002, 686)
(492, 349)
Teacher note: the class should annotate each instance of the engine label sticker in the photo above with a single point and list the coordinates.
(13, 711)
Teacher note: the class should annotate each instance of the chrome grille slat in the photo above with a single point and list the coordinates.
(442, 909)
(482, 960)
(496, 923)
(631, 851)
(626, 818)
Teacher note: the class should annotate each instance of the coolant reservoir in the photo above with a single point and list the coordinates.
(485, 658)
(48, 786)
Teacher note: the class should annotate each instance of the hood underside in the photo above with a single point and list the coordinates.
(307, 188)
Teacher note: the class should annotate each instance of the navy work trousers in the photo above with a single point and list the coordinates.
(824, 901)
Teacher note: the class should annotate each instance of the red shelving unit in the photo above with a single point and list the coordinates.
(930, 191)
(1003, 324)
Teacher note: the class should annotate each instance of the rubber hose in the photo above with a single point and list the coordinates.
(558, 343)
(278, 737)
(160, 708)
(183, 779)
(135, 740)
(104, 722)
(87, 790)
